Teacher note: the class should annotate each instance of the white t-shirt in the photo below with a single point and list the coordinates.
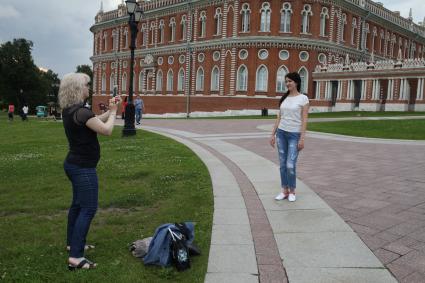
(290, 113)
(25, 109)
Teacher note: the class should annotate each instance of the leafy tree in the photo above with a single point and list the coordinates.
(21, 81)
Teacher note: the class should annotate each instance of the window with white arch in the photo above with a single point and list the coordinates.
(265, 17)
(124, 82)
(285, 17)
(203, 24)
(306, 13)
(103, 82)
(200, 79)
(280, 79)
(173, 29)
(304, 79)
(324, 16)
(242, 79)
(180, 81)
(353, 30)
(215, 79)
(183, 27)
(342, 27)
(111, 82)
(245, 17)
(261, 78)
(170, 79)
(218, 17)
(161, 31)
(159, 80)
(141, 81)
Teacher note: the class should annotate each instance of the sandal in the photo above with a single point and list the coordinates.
(86, 247)
(91, 265)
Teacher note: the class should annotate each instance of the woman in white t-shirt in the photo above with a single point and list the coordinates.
(289, 132)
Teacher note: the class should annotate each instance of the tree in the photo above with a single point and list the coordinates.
(21, 81)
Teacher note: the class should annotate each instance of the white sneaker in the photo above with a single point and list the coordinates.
(292, 197)
(280, 196)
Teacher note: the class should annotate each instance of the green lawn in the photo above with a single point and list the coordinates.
(388, 129)
(143, 182)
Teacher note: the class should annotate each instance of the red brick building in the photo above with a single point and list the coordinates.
(233, 54)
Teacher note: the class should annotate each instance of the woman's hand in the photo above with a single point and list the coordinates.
(273, 140)
(300, 144)
(113, 103)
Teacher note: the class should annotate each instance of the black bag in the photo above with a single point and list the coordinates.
(179, 250)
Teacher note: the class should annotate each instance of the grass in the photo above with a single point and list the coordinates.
(387, 129)
(343, 114)
(143, 182)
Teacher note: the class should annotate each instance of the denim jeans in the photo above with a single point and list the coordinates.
(83, 207)
(138, 115)
(287, 145)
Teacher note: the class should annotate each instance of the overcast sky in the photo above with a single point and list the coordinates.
(60, 29)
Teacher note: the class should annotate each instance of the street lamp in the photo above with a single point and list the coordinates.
(135, 11)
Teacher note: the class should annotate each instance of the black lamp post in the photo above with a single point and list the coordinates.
(135, 12)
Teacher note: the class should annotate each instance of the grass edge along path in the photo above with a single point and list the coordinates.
(144, 181)
(384, 129)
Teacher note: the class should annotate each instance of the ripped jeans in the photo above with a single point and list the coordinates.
(287, 145)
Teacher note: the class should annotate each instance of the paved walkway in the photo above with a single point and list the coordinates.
(360, 207)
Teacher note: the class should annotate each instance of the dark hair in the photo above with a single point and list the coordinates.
(294, 76)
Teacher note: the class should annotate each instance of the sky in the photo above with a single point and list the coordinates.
(60, 29)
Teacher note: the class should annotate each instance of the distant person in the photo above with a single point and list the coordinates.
(11, 111)
(289, 133)
(81, 128)
(123, 106)
(25, 113)
(140, 108)
(53, 112)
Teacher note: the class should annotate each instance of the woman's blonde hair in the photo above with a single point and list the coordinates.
(71, 89)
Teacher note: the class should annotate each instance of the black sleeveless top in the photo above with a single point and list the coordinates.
(84, 149)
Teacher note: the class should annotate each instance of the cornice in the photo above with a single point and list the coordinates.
(242, 42)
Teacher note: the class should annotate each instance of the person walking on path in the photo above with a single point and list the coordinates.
(140, 108)
(81, 129)
(11, 111)
(289, 133)
(25, 113)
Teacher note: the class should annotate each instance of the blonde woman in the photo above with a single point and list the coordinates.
(81, 129)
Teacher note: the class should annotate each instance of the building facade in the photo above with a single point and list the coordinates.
(216, 55)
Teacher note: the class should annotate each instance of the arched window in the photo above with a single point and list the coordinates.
(265, 17)
(159, 81)
(280, 79)
(324, 16)
(126, 38)
(285, 17)
(353, 30)
(218, 17)
(200, 79)
(304, 79)
(124, 82)
(180, 81)
(161, 31)
(103, 82)
(242, 79)
(306, 13)
(111, 82)
(203, 23)
(381, 42)
(215, 79)
(152, 30)
(144, 34)
(172, 29)
(141, 81)
(261, 78)
(170, 79)
(183, 23)
(342, 27)
(245, 17)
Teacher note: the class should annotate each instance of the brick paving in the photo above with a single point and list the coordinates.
(378, 189)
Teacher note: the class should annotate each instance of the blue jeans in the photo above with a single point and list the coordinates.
(138, 115)
(83, 207)
(287, 145)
